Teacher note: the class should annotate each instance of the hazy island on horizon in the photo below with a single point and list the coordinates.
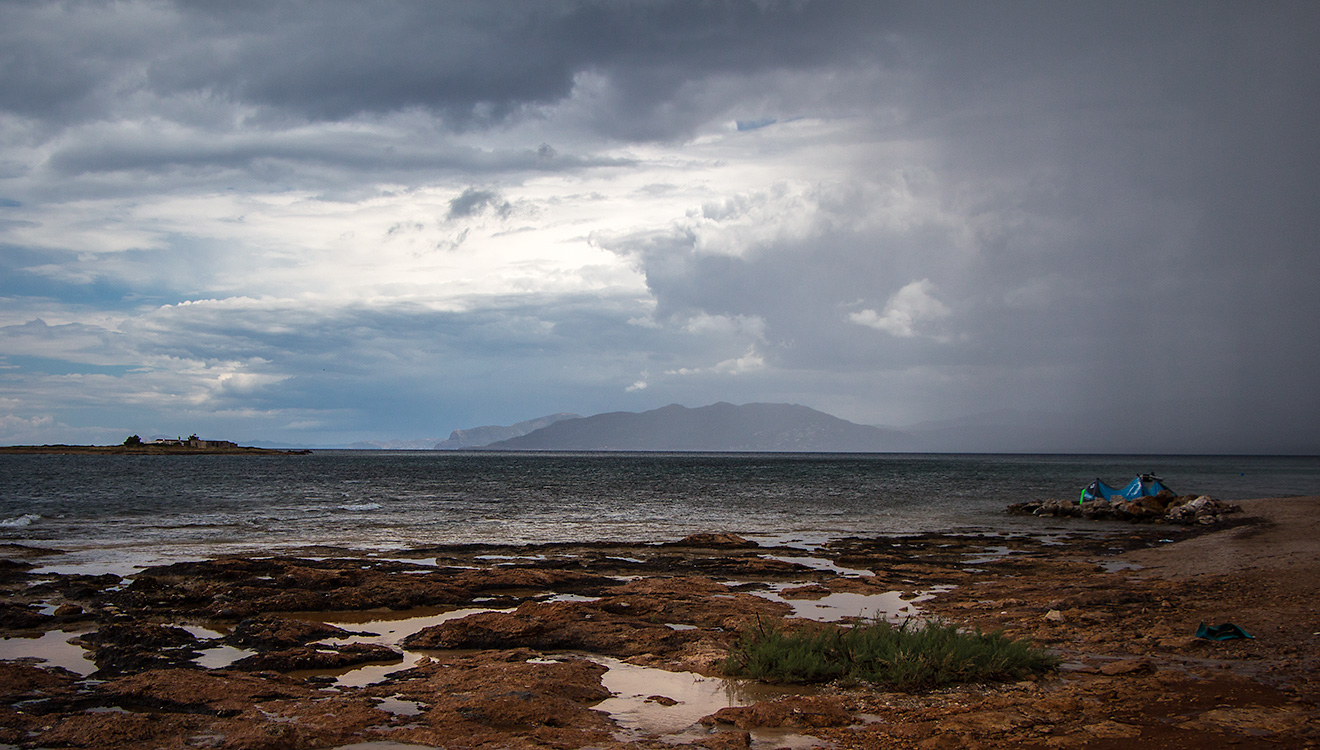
(134, 445)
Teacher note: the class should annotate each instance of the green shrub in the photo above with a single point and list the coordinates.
(907, 657)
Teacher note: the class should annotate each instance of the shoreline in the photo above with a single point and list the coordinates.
(1119, 608)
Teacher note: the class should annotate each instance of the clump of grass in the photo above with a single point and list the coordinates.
(907, 657)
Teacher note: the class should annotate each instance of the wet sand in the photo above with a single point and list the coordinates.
(618, 645)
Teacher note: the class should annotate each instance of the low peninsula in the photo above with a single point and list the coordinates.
(134, 445)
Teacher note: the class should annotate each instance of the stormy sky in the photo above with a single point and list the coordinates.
(323, 222)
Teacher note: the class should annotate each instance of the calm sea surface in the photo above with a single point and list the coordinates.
(173, 507)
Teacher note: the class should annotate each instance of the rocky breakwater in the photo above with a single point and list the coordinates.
(1166, 507)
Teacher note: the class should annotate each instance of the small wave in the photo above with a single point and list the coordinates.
(360, 506)
(27, 519)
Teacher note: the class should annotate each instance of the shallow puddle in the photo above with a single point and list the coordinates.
(52, 648)
(820, 563)
(387, 628)
(806, 542)
(219, 657)
(889, 606)
(649, 701)
(569, 598)
(399, 706)
(988, 555)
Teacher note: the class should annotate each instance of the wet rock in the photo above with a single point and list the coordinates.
(662, 700)
(1112, 730)
(22, 617)
(794, 711)
(726, 740)
(22, 681)
(1128, 667)
(810, 591)
(714, 540)
(319, 657)
(106, 729)
(223, 693)
(10, 551)
(133, 646)
(549, 627)
(232, 588)
(498, 699)
(982, 723)
(70, 612)
(86, 587)
(477, 583)
(271, 632)
(13, 570)
(689, 600)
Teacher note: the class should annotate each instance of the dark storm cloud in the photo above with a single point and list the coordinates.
(472, 62)
(324, 161)
(1135, 179)
(1106, 206)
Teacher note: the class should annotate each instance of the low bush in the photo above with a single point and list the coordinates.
(907, 657)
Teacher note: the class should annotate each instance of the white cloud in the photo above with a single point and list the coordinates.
(908, 313)
(749, 362)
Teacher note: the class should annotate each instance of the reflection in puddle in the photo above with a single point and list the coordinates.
(658, 703)
(570, 598)
(820, 563)
(804, 542)
(52, 648)
(687, 696)
(219, 657)
(201, 632)
(989, 554)
(385, 628)
(890, 606)
(423, 561)
(399, 706)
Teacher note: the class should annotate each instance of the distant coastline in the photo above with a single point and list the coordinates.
(149, 449)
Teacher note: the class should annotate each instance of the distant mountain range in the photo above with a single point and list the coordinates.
(718, 427)
(473, 437)
(786, 427)
(477, 437)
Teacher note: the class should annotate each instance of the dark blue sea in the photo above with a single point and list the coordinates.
(106, 508)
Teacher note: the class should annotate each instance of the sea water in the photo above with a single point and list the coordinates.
(159, 508)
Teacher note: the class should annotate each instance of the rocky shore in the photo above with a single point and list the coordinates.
(1164, 507)
(621, 645)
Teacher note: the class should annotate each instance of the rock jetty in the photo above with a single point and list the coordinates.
(1166, 507)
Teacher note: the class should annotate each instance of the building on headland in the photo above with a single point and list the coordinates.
(195, 442)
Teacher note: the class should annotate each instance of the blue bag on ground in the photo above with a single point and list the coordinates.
(1226, 632)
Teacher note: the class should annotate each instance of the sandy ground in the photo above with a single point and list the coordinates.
(1120, 608)
(1282, 543)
